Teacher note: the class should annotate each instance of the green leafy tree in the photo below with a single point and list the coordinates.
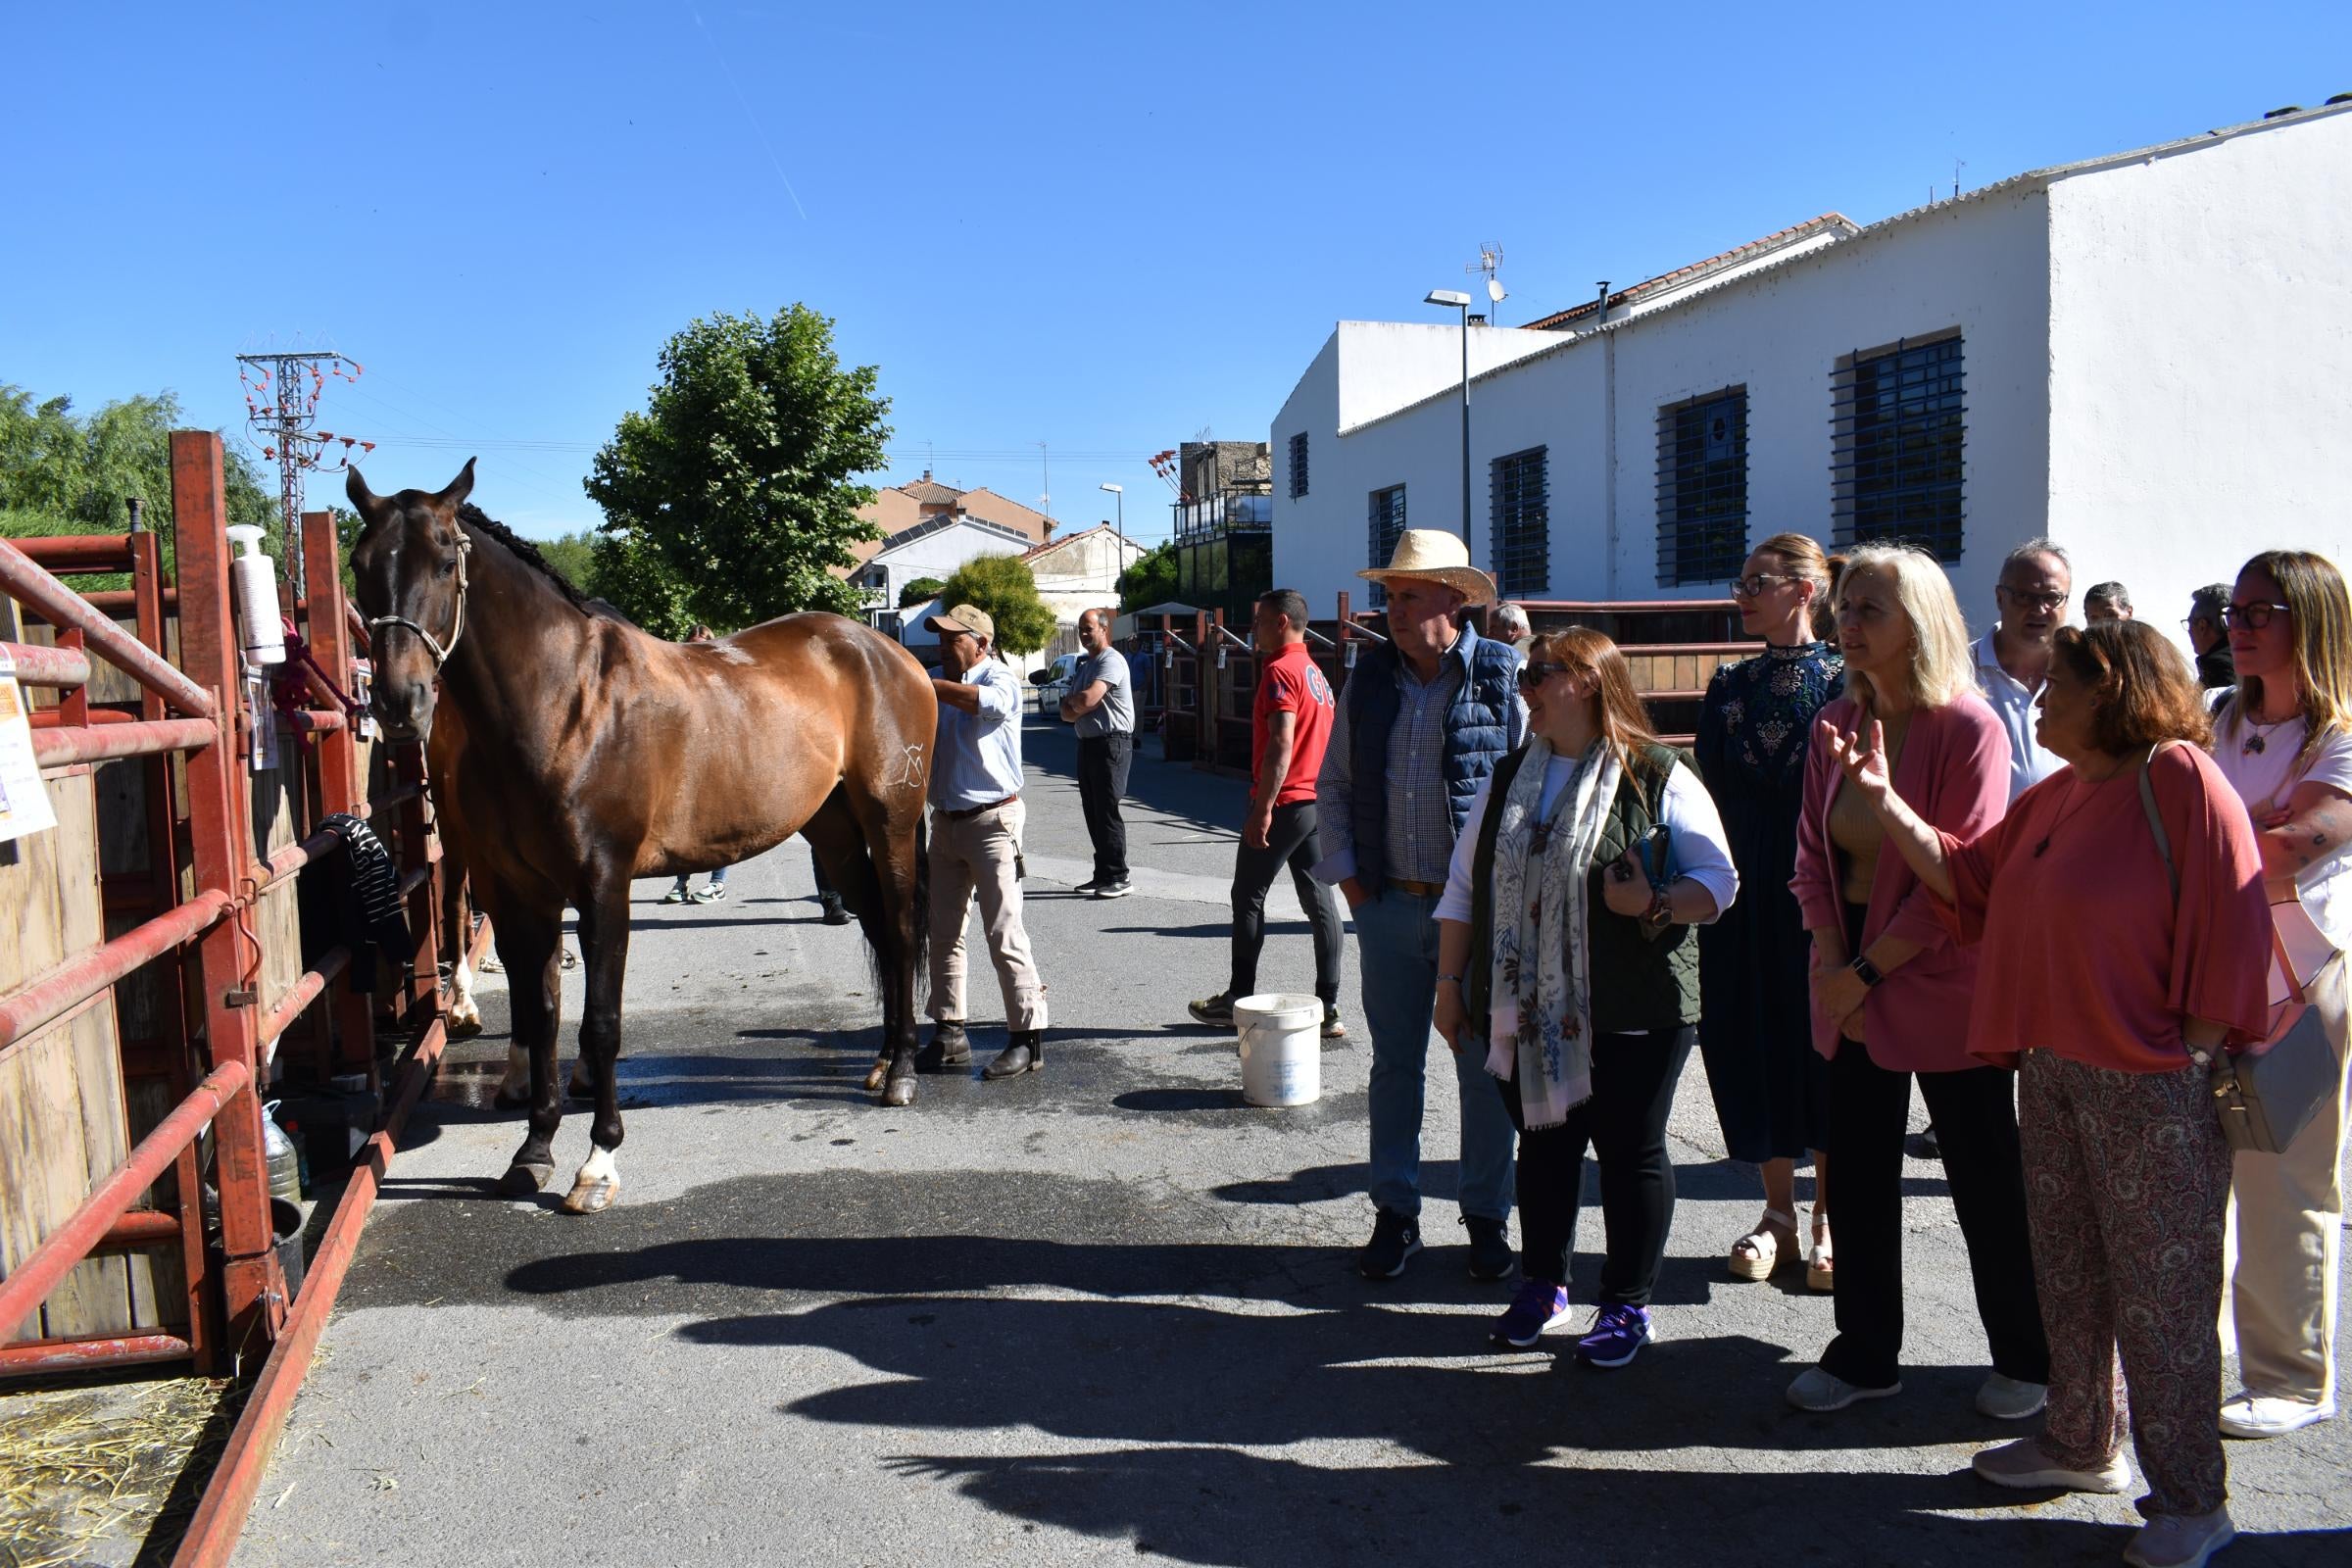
(639, 583)
(1005, 587)
(574, 556)
(62, 472)
(733, 497)
(1152, 580)
(920, 589)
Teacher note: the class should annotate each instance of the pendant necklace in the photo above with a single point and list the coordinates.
(2072, 806)
(2255, 743)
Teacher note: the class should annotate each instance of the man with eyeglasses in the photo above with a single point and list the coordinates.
(2210, 638)
(2014, 657)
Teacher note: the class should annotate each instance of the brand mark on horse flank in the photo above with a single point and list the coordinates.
(914, 776)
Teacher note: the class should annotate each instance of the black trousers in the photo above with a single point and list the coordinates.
(1975, 1111)
(1102, 762)
(1290, 841)
(1625, 1125)
(825, 890)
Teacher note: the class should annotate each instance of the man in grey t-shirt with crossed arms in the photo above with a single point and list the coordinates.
(1102, 707)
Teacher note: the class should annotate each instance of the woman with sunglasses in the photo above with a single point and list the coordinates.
(1891, 990)
(1771, 1087)
(2285, 742)
(1566, 960)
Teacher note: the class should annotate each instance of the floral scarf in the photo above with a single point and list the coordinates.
(1541, 1030)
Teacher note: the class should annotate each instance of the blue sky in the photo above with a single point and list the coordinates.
(1104, 228)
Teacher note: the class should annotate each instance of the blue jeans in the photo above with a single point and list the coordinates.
(1397, 938)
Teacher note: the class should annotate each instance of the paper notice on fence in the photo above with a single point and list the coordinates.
(24, 799)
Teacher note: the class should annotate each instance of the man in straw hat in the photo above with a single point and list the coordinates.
(1421, 720)
(976, 819)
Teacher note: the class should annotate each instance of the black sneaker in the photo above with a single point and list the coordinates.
(1490, 1255)
(1215, 1011)
(836, 912)
(1333, 1029)
(1395, 1237)
(1118, 888)
(1089, 885)
(1928, 1148)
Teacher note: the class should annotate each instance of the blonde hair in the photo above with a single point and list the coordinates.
(2314, 591)
(1807, 563)
(1942, 667)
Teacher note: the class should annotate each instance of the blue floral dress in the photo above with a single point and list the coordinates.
(1771, 1088)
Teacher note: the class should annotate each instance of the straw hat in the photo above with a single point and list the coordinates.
(1435, 556)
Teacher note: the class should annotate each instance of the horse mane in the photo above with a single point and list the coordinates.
(523, 551)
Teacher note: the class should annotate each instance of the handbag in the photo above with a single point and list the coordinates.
(2265, 1093)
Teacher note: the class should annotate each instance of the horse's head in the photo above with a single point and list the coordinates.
(409, 565)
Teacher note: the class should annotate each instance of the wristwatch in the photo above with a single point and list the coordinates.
(1865, 971)
(1660, 913)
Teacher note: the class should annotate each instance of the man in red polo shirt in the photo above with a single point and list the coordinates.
(1290, 727)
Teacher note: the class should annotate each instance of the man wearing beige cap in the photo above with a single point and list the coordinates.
(976, 817)
(1422, 719)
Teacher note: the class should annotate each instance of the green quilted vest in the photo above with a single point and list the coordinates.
(1641, 981)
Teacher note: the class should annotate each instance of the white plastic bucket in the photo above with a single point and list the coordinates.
(1282, 1047)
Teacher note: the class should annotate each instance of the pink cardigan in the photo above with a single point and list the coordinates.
(1954, 772)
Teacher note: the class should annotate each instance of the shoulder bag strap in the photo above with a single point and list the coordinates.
(2164, 840)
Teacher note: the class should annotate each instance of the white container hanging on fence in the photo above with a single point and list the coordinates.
(255, 575)
(1282, 1047)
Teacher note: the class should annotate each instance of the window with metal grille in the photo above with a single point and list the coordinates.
(1519, 508)
(1702, 488)
(1897, 425)
(1297, 464)
(1387, 526)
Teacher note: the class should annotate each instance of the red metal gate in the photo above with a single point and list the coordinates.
(198, 933)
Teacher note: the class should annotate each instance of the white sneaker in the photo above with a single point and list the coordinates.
(2024, 1464)
(2006, 1399)
(2270, 1415)
(2181, 1540)
(1818, 1389)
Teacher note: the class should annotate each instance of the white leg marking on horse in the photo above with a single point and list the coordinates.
(517, 1085)
(463, 1013)
(595, 1186)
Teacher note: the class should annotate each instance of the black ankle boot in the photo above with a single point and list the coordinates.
(1026, 1053)
(949, 1046)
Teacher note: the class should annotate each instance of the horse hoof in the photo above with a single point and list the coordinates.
(591, 1198)
(899, 1092)
(521, 1180)
(877, 1074)
(465, 1025)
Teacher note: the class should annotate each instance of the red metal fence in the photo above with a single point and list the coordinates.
(194, 932)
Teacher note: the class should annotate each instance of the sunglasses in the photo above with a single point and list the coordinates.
(1533, 675)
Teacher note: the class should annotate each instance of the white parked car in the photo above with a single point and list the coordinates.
(1053, 682)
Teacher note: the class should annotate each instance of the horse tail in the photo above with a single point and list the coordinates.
(922, 894)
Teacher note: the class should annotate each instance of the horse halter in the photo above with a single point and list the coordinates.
(457, 629)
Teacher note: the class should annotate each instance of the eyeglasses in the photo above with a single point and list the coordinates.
(2253, 615)
(2195, 622)
(1751, 587)
(1533, 675)
(2041, 601)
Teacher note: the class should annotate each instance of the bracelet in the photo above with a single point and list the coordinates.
(1661, 912)
(1865, 971)
(1456, 978)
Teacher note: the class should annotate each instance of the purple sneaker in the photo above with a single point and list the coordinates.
(1616, 1337)
(1539, 1304)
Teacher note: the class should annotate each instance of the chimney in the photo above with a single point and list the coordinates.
(1604, 303)
(926, 476)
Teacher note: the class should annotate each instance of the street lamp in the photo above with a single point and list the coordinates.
(1460, 301)
(1118, 531)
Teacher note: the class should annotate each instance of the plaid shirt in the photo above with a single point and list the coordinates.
(1419, 832)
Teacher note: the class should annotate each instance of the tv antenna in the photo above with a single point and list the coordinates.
(1490, 263)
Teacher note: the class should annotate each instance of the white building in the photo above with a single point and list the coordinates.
(932, 547)
(2147, 356)
(1081, 572)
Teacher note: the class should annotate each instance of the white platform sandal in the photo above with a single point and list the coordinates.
(1763, 1250)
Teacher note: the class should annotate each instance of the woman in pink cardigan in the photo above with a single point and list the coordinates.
(1891, 990)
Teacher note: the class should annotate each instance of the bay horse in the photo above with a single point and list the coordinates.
(595, 753)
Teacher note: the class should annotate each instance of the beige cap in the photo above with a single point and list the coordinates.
(1436, 556)
(965, 618)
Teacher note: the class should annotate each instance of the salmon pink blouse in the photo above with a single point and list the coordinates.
(1953, 772)
(2083, 950)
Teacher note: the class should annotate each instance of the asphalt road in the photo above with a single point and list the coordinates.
(1098, 1313)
